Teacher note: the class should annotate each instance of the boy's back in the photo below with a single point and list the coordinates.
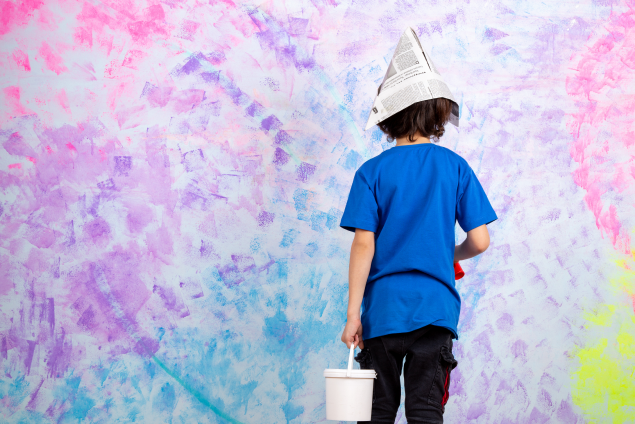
(403, 207)
(410, 196)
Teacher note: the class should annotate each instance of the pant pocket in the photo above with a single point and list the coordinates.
(439, 391)
(365, 360)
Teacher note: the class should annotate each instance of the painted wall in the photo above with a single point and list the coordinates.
(172, 175)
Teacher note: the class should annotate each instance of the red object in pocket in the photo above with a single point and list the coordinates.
(458, 271)
(446, 391)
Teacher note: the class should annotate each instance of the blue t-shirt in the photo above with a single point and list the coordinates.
(411, 196)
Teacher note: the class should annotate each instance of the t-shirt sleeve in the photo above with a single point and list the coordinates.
(473, 208)
(361, 207)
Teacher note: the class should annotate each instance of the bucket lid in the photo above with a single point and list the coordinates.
(354, 373)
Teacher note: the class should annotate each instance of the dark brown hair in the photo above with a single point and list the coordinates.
(428, 117)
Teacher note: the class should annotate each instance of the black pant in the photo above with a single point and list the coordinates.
(429, 361)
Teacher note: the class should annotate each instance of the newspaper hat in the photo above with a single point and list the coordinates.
(411, 78)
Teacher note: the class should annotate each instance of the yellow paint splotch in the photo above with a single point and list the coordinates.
(604, 381)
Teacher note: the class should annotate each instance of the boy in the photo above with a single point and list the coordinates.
(403, 206)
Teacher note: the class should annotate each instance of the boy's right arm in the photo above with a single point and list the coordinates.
(477, 242)
(362, 252)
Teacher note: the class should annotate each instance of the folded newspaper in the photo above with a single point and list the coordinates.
(411, 78)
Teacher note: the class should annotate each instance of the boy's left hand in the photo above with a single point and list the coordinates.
(352, 333)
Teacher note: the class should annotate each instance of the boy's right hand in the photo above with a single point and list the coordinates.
(352, 333)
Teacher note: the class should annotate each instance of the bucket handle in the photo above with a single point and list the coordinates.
(350, 360)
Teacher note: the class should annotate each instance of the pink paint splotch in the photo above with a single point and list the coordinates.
(16, 14)
(22, 60)
(12, 101)
(603, 138)
(53, 61)
(62, 99)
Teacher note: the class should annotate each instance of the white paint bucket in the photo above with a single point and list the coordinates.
(349, 393)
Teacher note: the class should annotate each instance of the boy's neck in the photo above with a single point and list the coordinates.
(418, 139)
